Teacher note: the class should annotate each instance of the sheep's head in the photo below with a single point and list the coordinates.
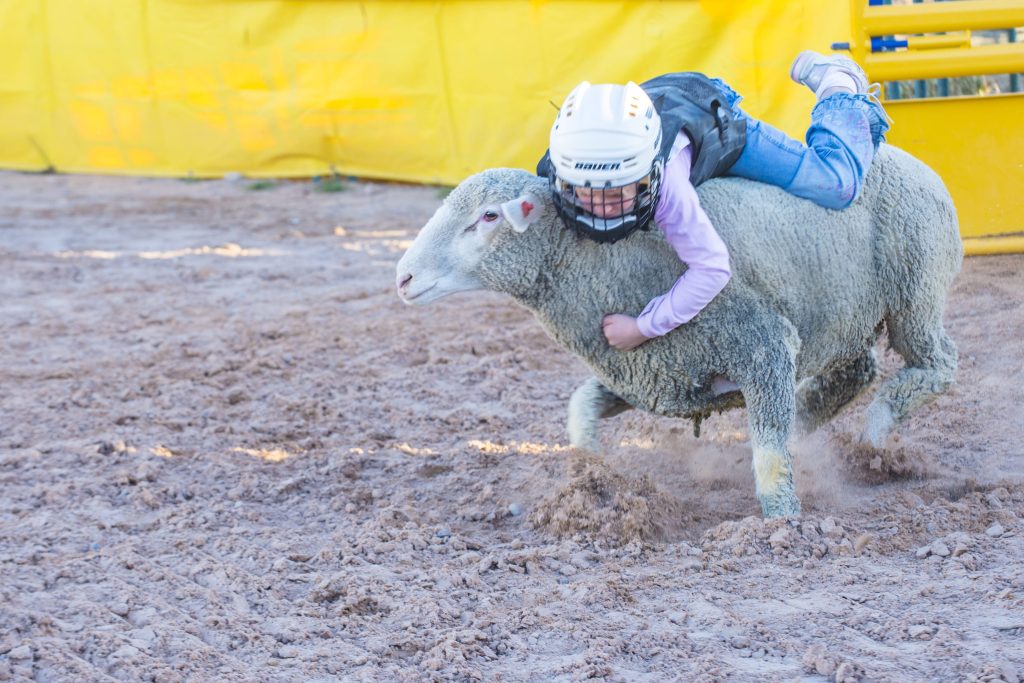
(449, 254)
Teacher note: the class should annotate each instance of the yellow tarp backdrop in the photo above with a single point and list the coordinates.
(420, 91)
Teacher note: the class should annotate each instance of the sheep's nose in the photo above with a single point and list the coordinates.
(403, 282)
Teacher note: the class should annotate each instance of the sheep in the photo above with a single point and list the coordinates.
(790, 337)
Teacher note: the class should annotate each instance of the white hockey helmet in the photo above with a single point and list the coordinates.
(606, 163)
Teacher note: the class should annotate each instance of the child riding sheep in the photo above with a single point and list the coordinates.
(621, 156)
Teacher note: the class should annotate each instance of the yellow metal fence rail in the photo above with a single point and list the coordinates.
(975, 143)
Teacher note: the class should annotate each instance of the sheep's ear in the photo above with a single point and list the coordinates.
(521, 212)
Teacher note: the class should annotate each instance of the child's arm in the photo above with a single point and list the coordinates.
(689, 231)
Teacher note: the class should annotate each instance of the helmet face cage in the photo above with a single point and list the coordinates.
(606, 213)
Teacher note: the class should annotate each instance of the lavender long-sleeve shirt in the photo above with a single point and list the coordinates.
(689, 231)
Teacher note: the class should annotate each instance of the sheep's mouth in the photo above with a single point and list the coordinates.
(409, 299)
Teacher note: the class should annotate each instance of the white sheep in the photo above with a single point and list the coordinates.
(793, 330)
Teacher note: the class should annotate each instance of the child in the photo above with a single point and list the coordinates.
(619, 159)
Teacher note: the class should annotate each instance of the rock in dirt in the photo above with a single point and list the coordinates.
(920, 632)
(780, 539)
(20, 653)
(831, 529)
(995, 531)
(1008, 672)
(820, 661)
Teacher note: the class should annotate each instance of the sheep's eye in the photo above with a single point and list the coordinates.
(488, 217)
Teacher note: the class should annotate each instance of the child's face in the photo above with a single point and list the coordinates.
(607, 203)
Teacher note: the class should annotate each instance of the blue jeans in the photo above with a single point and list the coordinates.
(829, 170)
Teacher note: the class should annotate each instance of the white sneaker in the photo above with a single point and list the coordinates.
(820, 72)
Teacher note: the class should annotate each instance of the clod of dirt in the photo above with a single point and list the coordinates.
(602, 504)
(818, 660)
(879, 465)
(806, 540)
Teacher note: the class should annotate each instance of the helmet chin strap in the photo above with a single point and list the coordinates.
(604, 223)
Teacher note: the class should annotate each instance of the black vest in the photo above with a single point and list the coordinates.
(688, 101)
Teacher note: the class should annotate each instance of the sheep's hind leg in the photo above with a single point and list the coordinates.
(591, 402)
(930, 357)
(820, 398)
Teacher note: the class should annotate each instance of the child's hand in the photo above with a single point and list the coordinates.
(622, 332)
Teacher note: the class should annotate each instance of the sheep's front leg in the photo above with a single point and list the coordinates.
(771, 407)
(591, 402)
(771, 411)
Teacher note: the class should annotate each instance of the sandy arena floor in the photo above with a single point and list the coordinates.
(229, 453)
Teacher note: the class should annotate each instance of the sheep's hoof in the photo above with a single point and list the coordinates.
(879, 424)
(780, 505)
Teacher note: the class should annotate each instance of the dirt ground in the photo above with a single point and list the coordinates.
(229, 453)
